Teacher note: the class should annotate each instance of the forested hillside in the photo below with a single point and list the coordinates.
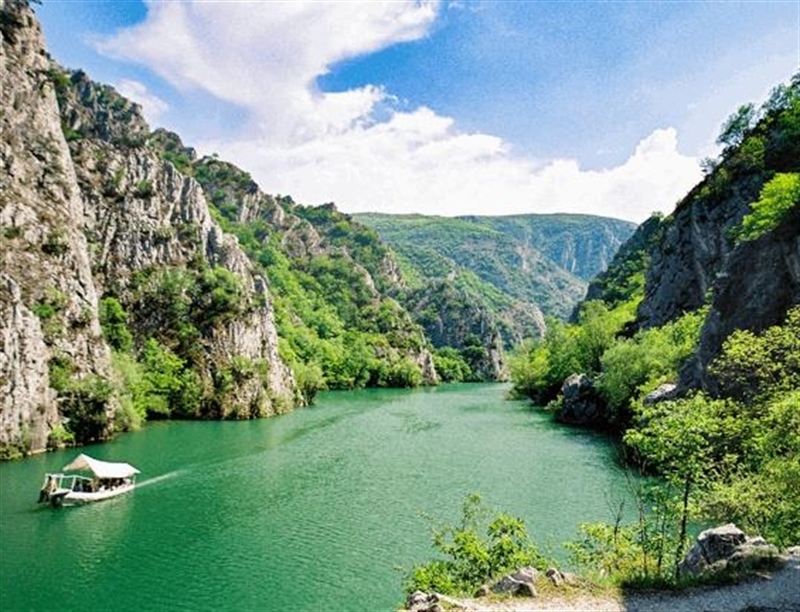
(688, 346)
(543, 260)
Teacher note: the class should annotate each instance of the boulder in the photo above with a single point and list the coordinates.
(664, 392)
(519, 583)
(419, 601)
(555, 576)
(725, 547)
(581, 404)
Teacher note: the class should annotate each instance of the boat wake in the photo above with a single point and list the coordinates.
(151, 481)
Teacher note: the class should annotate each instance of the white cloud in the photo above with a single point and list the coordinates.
(153, 107)
(418, 162)
(355, 147)
(267, 56)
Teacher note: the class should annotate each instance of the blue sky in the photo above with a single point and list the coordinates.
(600, 107)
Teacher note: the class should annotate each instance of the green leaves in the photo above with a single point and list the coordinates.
(778, 197)
(482, 547)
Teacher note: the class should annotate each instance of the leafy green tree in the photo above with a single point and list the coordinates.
(114, 321)
(633, 367)
(450, 365)
(735, 128)
(482, 547)
(753, 366)
(778, 197)
(679, 438)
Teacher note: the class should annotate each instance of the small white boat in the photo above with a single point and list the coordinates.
(87, 480)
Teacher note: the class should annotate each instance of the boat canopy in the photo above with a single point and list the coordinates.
(102, 469)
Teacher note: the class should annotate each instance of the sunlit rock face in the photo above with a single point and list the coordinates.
(85, 205)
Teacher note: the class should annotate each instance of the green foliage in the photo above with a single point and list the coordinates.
(131, 392)
(84, 404)
(59, 437)
(114, 321)
(736, 127)
(753, 366)
(337, 327)
(143, 189)
(633, 367)
(490, 248)
(309, 378)
(401, 373)
(483, 546)
(167, 387)
(56, 243)
(539, 368)
(450, 365)
(778, 197)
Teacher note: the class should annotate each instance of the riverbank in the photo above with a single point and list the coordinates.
(770, 590)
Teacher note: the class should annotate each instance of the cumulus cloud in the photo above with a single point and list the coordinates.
(357, 148)
(266, 57)
(153, 107)
(418, 162)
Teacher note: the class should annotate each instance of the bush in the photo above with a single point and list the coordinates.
(778, 197)
(114, 321)
(482, 547)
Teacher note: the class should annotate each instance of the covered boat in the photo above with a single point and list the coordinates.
(86, 480)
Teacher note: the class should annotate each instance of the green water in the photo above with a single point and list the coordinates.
(310, 511)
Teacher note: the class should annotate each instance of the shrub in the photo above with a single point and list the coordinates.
(114, 321)
(482, 547)
(778, 197)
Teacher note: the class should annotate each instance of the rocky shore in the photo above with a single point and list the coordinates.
(770, 582)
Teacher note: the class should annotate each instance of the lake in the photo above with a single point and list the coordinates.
(316, 510)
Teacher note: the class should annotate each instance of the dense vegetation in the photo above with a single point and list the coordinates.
(329, 280)
(484, 545)
(729, 453)
(543, 260)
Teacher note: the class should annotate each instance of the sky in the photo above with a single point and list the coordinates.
(436, 107)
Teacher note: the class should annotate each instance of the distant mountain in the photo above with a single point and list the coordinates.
(541, 260)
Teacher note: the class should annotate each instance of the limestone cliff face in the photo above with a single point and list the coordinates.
(48, 300)
(758, 283)
(693, 249)
(86, 207)
(141, 214)
(698, 260)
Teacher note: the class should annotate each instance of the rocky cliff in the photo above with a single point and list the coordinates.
(698, 257)
(88, 209)
(48, 299)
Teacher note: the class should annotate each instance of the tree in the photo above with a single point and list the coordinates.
(679, 438)
(735, 128)
(778, 197)
(114, 321)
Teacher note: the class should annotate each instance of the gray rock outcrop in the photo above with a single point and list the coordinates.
(521, 583)
(664, 392)
(724, 547)
(48, 300)
(581, 404)
(758, 283)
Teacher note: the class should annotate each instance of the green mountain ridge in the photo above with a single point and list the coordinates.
(523, 256)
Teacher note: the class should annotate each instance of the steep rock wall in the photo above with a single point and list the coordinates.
(693, 249)
(758, 283)
(48, 302)
(142, 214)
(86, 205)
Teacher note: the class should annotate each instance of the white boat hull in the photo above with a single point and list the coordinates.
(83, 497)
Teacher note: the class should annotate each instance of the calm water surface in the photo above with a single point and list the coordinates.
(312, 511)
